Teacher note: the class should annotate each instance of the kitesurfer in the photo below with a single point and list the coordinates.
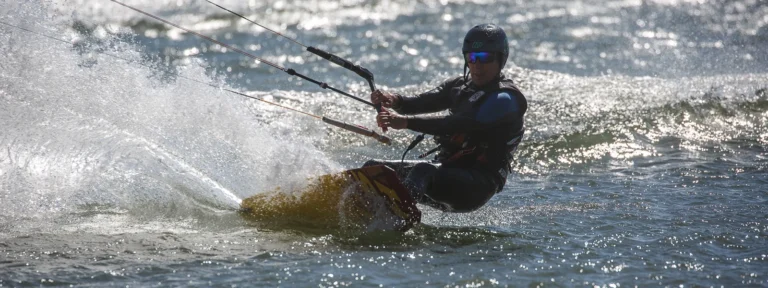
(478, 137)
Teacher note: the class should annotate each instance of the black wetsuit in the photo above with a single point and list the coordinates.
(475, 142)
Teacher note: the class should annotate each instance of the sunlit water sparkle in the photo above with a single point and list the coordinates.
(644, 161)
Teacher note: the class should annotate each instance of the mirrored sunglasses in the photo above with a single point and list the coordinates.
(482, 57)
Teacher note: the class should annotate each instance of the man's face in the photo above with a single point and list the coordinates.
(483, 66)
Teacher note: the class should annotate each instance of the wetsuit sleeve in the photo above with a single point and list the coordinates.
(434, 100)
(498, 109)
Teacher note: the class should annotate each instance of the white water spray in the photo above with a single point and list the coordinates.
(88, 130)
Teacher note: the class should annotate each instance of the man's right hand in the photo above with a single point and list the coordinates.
(386, 99)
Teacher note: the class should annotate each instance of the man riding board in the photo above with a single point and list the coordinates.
(478, 137)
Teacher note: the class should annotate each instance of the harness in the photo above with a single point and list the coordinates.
(490, 149)
(493, 149)
(469, 150)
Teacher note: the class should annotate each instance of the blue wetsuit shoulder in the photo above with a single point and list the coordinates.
(496, 107)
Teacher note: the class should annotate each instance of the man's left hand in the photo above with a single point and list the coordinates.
(387, 118)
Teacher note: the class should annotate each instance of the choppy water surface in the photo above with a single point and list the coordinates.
(644, 163)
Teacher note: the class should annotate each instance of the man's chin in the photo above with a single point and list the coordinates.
(480, 81)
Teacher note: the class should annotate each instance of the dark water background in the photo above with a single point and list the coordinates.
(644, 163)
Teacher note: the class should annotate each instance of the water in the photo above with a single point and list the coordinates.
(644, 163)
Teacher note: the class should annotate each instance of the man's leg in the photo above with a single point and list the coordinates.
(458, 190)
(418, 178)
(401, 168)
(447, 189)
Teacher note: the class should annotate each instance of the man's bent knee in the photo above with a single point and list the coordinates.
(459, 190)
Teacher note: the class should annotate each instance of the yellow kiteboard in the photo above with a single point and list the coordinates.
(370, 198)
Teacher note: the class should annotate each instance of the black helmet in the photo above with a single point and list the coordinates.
(487, 38)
